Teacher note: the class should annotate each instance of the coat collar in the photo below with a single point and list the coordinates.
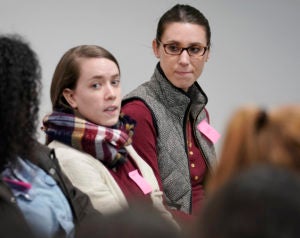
(175, 98)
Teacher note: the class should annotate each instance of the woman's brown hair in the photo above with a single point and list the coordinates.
(254, 136)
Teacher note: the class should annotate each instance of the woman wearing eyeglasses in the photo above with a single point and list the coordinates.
(170, 107)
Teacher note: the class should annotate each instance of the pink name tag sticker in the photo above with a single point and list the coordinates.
(16, 184)
(208, 131)
(140, 181)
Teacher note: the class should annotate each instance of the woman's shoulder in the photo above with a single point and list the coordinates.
(135, 105)
(63, 149)
(68, 154)
(75, 163)
(59, 145)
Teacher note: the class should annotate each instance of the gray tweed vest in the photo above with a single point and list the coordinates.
(170, 109)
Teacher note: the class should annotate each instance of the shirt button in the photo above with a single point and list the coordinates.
(52, 171)
(27, 196)
(193, 165)
(196, 177)
(191, 153)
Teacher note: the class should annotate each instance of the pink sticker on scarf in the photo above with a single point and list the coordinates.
(208, 131)
(140, 181)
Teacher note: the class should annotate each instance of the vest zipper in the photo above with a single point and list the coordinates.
(185, 120)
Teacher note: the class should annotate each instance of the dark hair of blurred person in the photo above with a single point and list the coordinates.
(262, 201)
(35, 196)
(20, 77)
(140, 220)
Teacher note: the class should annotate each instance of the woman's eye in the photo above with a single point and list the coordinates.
(96, 85)
(195, 49)
(115, 82)
(173, 48)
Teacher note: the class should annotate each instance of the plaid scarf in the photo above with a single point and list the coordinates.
(103, 143)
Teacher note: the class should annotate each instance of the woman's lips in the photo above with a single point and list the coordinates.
(112, 110)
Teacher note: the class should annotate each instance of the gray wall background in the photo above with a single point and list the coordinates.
(255, 56)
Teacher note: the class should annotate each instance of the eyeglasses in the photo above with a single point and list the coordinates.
(193, 51)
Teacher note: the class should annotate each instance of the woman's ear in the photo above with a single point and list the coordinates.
(155, 48)
(69, 96)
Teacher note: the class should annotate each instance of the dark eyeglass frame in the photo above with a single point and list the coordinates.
(182, 49)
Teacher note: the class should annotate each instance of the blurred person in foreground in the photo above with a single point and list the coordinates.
(261, 201)
(37, 200)
(141, 220)
(254, 136)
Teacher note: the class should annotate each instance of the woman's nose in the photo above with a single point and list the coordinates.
(184, 57)
(110, 92)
